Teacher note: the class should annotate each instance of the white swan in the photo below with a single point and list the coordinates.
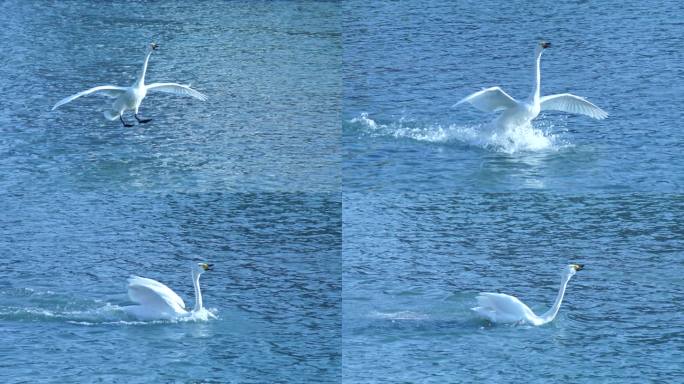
(156, 301)
(502, 308)
(129, 98)
(517, 113)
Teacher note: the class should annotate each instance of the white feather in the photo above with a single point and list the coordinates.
(130, 98)
(490, 100)
(567, 102)
(106, 90)
(176, 89)
(502, 308)
(518, 113)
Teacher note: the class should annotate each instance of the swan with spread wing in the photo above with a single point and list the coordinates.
(502, 308)
(156, 301)
(130, 98)
(517, 113)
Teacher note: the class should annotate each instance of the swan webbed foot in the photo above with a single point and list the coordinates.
(142, 121)
(125, 124)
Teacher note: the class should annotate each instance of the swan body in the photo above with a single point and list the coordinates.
(156, 301)
(130, 98)
(517, 113)
(502, 308)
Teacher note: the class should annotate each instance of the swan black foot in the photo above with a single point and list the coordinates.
(142, 121)
(125, 124)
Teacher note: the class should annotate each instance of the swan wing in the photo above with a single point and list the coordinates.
(502, 307)
(567, 102)
(153, 294)
(107, 90)
(490, 100)
(177, 89)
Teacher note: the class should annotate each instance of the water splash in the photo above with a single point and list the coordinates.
(400, 315)
(57, 312)
(203, 314)
(525, 138)
(31, 305)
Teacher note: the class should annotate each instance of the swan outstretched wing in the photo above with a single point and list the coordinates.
(107, 90)
(178, 89)
(490, 100)
(567, 102)
(153, 294)
(502, 307)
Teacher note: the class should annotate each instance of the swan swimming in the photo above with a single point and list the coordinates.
(517, 113)
(502, 308)
(129, 98)
(156, 301)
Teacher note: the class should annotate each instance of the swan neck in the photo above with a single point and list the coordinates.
(141, 77)
(537, 76)
(198, 292)
(551, 313)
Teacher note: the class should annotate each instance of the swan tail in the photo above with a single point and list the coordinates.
(111, 115)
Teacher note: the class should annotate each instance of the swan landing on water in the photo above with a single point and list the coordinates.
(156, 301)
(502, 308)
(129, 98)
(517, 113)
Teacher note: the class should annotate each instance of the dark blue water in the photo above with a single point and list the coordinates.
(270, 70)
(437, 209)
(406, 65)
(414, 262)
(248, 180)
(275, 287)
(351, 213)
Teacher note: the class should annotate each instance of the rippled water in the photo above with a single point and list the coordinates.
(275, 287)
(351, 212)
(248, 180)
(271, 72)
(438, 206)
(406, 65)
(414, 262)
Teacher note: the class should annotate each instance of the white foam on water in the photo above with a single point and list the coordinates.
(200, 316)
(83, 312)
(400, 315)
(527, 138)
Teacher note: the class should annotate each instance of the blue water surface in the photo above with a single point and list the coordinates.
(270, 71)
(248, 180)
(414, 263)
(406, 64)
(436, 208)
(275, 287)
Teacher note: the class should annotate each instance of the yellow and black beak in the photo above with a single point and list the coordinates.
(545, 44)
(207, 267)
(578, 267)
(155, 46)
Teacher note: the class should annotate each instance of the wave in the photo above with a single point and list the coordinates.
(525, 138)
(400, 315)
(50, 306)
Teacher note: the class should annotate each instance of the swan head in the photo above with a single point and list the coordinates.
(152, 47)
(571, 269)
(542, 46)
(200, 268)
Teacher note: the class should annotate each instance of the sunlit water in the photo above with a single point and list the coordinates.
(250, 180)
(414, 263)
(270, 71)
(247, 180)
(406, 66)
(438, 206)
(274, 290)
